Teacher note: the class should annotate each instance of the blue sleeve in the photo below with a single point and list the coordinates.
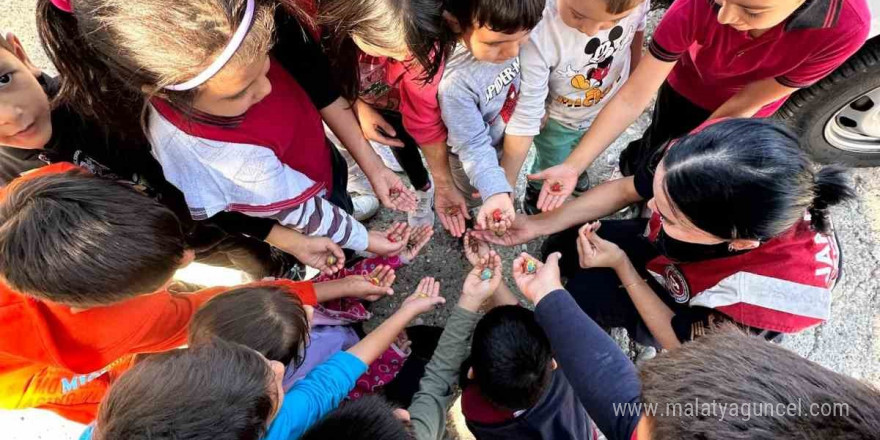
(315, 395)
(604, 379)
(87, 434)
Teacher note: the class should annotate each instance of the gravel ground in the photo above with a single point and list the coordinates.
(849, 343)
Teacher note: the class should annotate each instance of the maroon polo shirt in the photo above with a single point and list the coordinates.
(715, 61)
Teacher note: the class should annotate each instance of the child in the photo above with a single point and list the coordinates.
(61, 134)
(79, 298)
(427, 414)
(710, 60)
(189, 405)
(718, 387)
(576, 59)
(477, 94)
(516, 391)
(237, 133)
(390, 56)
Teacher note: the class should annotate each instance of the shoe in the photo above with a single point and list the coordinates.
(530, 201)
(365, 206)
(424, 212)
(384, 152)
(582, 185)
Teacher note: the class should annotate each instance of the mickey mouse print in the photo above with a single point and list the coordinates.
(571, 74)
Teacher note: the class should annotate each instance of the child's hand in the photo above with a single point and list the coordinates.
(474, 248)
(545, 279)
(559, 183)
(522, 229)
(373, 286)
(389, 242)
(419, 237)
(374, 126)
(451, 207)
(391, 191)
(595, 251)
(475, 289)
(427, 296)
(497, 214)
(318, 252)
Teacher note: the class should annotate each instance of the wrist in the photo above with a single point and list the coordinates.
(468, 303)
(625, 271)
(546, 292)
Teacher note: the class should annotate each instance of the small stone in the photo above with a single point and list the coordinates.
(496, 215)
(486, 274)
(331, 260)
(531, 267)
(556, 187)
(499, 233)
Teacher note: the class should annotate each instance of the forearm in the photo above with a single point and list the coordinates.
(378, 340)
(598, 202)
(318, 217)
(623, 109)
(437, 156)
(653, 311)
(340, 117)
(751, 99)
(330, 290)
(636, 50)
(516, 148)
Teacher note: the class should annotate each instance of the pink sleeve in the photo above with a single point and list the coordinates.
(420, 108)
(679, 28)
(826, 60)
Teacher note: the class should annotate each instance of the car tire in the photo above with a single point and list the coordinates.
(819, 113)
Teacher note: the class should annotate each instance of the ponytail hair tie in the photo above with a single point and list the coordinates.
(63, 5)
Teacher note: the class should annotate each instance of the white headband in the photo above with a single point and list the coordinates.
(224, 57)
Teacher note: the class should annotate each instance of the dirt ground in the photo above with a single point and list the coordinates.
(848, 343)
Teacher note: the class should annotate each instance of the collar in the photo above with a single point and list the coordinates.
(815, 14)
(194, 115)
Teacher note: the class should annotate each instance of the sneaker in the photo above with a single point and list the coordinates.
(384, 152)
(365, 206)
(583, 184)
(424, 212)
(530, 200)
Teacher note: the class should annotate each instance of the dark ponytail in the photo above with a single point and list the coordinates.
(749, 179)
(830, 187)
(87, 84)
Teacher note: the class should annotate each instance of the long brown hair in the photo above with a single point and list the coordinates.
(417, 24)
(111, 54)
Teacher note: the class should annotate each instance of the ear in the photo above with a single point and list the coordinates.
(553, 364)
(19, 52)
(453, 22)
(189, 256)
(470, 374)
(743, 245)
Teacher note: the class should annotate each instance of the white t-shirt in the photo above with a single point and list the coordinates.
(571, 74)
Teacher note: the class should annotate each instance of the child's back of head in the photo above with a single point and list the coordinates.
(511, 358)
(267, 319)
(508, 17)
(80, 240)
(216, 391)
(368, 418)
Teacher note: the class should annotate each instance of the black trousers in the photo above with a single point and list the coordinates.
(598, 291)
(405, 385)
(674, 116)
(407, 156)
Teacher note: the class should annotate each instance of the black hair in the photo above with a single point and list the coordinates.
(732, 369)
(504, 16)
(511, 358)
(80, 240)
(368, 418)
(417, 24)
(268, 319)
(748, 179)
(215, 391)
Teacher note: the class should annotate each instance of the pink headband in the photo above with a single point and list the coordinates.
(63, 5)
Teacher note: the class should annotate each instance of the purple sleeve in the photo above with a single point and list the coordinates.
(605, 381)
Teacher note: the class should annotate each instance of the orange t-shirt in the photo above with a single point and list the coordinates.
(54, 358)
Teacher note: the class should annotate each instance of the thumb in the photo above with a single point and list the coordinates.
(553, 260)
(537, 176)
(387, 128)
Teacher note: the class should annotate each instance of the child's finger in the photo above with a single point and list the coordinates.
(435, 289)
(542, 196)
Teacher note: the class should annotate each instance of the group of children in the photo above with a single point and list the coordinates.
(198, 130)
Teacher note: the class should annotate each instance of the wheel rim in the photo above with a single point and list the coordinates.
(856, 126)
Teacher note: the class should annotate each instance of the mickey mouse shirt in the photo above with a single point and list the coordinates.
(571, 74)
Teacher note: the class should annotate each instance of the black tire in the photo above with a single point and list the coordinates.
(809, 110)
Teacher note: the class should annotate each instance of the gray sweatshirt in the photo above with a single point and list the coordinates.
(476, 101)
